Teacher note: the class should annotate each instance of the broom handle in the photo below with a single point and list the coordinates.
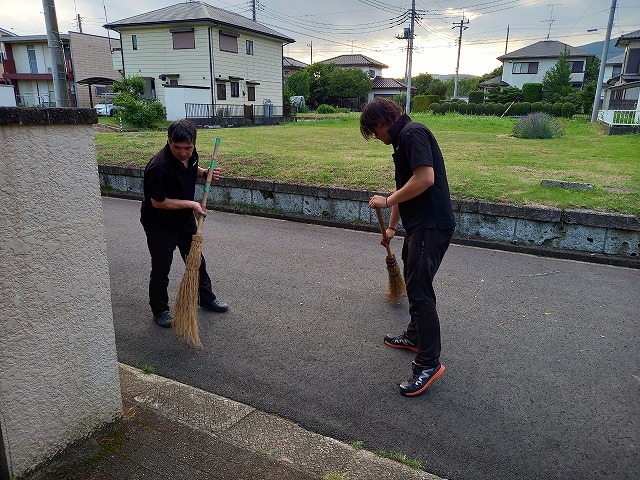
(207, 185)
(383, 230)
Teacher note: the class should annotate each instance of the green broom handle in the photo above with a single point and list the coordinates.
(207, 185)
(383, 230)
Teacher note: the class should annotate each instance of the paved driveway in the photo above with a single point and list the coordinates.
(542, 355)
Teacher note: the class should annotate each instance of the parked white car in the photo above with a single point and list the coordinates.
(106, 109)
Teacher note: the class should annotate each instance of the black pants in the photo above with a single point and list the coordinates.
(422, 253)
(162, 241)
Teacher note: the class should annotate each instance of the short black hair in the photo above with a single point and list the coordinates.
(380, 112)
(182, 131)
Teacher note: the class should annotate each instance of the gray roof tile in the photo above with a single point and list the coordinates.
(191, 12)
(545, 49)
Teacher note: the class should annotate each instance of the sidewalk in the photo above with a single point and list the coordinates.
(173, 431)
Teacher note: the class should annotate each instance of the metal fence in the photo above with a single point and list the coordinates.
(228, 111)
(619, 117)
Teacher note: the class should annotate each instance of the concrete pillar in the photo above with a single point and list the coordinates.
(58, 365)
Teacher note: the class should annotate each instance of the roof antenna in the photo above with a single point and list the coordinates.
(551, 20)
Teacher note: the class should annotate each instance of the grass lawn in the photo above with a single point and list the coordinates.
(483, 160)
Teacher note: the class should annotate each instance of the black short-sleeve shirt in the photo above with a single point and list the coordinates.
(415, 145)
(166, 177)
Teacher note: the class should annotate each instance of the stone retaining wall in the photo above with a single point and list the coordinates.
(610, 238)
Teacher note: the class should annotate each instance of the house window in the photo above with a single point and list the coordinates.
(372, 74)
(525, 67)
(221, 89)
(577, 67)
(183, 39)
(235, 89)
(33, 64)
(228, 42)
(134, 42)
(249, 47)
(633, 62)
(251, 93)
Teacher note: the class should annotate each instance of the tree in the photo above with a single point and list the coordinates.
(437, 87)
(136, 112)
(327, 83)
(496, 72)
(556, 83)
(421, 83)
(346, 83)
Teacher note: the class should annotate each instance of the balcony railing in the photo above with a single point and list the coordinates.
(619, 117)
(224, 111)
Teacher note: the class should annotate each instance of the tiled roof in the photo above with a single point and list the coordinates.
(624, 39)
(191, 12)
(32, 38)
(386, 83)
(493, 81)
(354, 61)
(617, 60)
(292, 62)
(545, 49)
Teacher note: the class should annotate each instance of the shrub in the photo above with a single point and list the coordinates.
(556, 109)
(536, 107)
(525, 108)
(515, 109)
(531, 92)
(498, 109)
(462, 107)
(538, 125)
(471, 108)
(547, 108)
(324, 108)
(477, 96)
(147, 113)
(487, 108)
(568, 109)
(435, 107)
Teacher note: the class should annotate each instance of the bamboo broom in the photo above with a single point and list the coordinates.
(185, 321)
(396, 288)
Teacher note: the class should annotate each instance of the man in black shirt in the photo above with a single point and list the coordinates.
(168, 216)
(422, 202)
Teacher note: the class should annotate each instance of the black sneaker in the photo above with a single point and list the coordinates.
(400, 341)
(214, 306)
(421, 379)
(163, 319)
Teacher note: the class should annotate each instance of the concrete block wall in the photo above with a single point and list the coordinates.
(614, 236)
(58, 367)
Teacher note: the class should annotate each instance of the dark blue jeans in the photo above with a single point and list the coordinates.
(162, 242)
(422, 253)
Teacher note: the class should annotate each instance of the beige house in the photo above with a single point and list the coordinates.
(181, 49)
(27, 66)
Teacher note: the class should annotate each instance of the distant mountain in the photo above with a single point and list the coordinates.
(446, 77)
(596, 48)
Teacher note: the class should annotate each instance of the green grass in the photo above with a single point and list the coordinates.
(400, 458)
(148, 369)
(483, 161)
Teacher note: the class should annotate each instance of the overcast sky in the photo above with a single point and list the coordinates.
(370, 27)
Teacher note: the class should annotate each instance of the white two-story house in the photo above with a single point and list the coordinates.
(202, 61)
(620, 110)
(531, 63)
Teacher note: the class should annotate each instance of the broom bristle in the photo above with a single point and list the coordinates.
(396, 288)
(185, 318)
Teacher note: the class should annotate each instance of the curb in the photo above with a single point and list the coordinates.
(259, 432)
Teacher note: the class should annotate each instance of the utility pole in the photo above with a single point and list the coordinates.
(506, 44)
(253, 8)
(55, 49)
(462, 26)
(410, 56)
(603, 63)
(311, 45)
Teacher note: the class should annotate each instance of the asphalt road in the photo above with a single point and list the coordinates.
(542, 355)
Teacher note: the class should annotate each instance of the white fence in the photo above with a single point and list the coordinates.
(619, 117)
